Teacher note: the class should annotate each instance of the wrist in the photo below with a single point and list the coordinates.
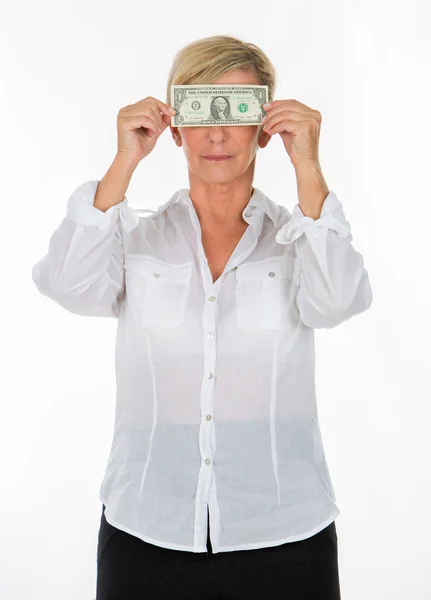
(308, 166)
(126, 161)
(312, 188)
(113, 185)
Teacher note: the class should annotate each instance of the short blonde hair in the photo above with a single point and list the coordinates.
(205, 60)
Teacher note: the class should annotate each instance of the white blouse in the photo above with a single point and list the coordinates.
(215, 402)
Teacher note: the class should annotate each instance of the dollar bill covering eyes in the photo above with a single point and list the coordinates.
(206, 105)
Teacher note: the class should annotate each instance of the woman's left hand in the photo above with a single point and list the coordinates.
(299, 127)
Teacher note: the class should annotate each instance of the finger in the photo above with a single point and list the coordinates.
(286, 112)
(165, 108)
(160, 109)
(145, 122)
(149, 101)
(293, 105)
(167, 120)
(273, 116)
(155, 114)
(286, 125)
(162, 119)
(281, 115)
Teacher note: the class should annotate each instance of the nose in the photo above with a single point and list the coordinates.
(216, 133)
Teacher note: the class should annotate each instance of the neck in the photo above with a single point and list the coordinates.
(221, 205)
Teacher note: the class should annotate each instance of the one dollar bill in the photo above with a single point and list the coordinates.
(206, 105)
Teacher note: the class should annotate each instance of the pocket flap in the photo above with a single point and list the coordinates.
(148, 266)
(271, 268)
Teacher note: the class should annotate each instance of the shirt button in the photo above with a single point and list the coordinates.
(156, 274)
(247, 214)
(210, 335)
(208, 417)
(209, 375)
(211, 298)
(207, 461)
(271, 274)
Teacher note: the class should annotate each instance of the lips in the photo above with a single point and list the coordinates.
(217, 157)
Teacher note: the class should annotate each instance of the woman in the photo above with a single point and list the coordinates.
(217, 295)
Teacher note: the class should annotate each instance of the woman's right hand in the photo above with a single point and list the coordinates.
(140, 125)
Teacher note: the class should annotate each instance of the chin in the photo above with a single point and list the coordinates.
(217, 178)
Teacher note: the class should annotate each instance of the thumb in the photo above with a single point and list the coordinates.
(166, 121)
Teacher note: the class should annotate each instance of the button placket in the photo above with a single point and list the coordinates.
(207, 399)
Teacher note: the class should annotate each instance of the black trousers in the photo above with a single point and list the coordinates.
(130, 569)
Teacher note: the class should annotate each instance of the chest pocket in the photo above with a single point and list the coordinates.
(265, 293)
(157, 291)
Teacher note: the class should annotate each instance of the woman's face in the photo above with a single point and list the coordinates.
(240, 142)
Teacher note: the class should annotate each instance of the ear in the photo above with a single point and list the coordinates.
(176, 135)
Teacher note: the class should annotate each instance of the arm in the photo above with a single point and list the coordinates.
(333, 283)
(83, 269)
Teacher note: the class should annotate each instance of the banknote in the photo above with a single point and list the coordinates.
(206, 105)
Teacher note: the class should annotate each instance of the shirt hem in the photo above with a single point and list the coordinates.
(272, 543)
(217, 549)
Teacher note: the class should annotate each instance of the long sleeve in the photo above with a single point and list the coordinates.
(333, 283)
(83, 269)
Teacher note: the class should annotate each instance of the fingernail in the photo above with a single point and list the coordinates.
(267, 104)
(172, 111)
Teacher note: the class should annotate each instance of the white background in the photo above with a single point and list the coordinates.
(66, 70)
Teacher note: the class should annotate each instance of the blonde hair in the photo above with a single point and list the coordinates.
(205, 60)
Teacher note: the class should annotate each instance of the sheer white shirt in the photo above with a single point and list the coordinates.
(215, 399)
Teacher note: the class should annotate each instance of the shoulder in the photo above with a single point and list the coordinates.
(279, 213)
(152, 213)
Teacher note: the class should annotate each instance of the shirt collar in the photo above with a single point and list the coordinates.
(258, 199)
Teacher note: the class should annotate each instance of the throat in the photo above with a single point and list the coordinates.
(219, 248)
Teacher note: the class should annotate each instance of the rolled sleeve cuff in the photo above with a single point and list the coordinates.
(331, 217)
(81, 209)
